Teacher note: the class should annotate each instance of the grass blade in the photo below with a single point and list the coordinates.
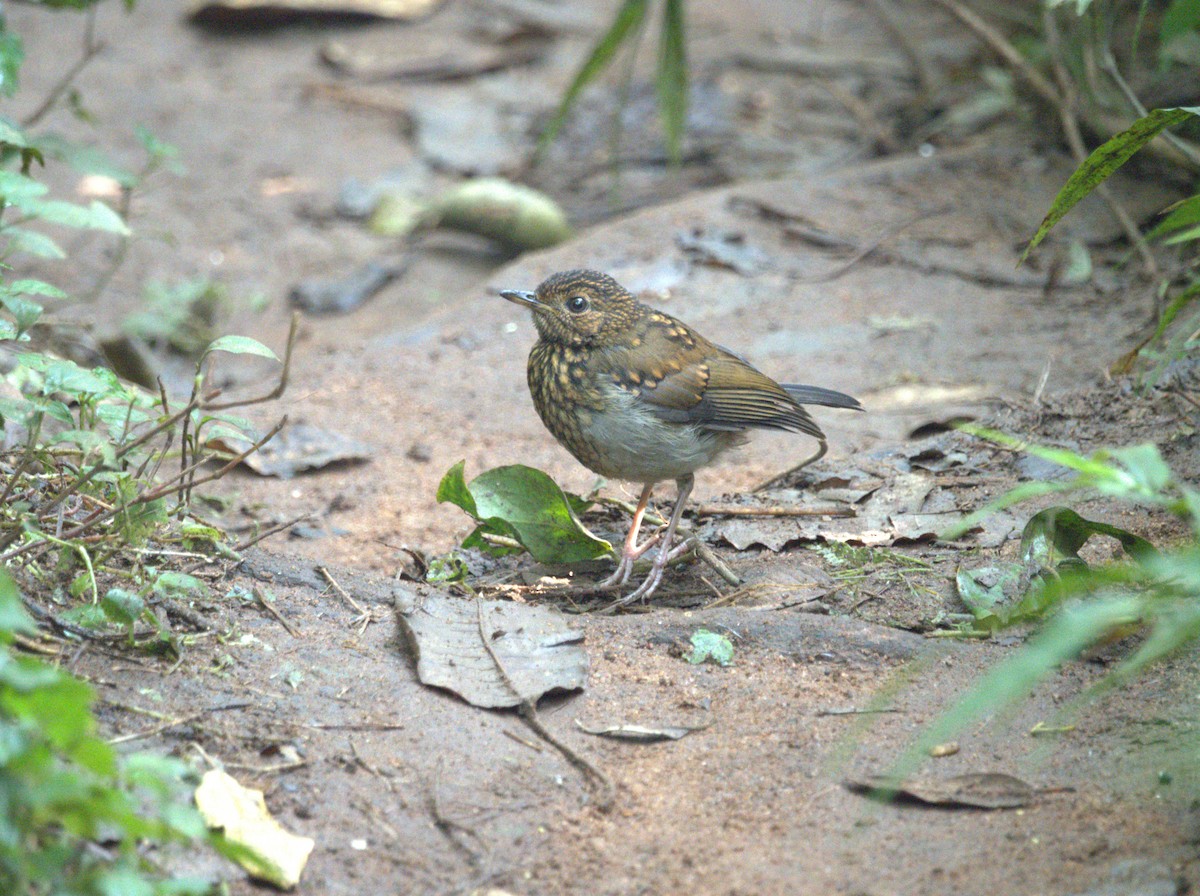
(1103, 161)
(671, 81)
(628, 18)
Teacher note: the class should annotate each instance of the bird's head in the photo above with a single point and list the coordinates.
(578, 307)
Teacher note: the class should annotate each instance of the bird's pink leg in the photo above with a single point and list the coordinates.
(631, 550)
(665, 552)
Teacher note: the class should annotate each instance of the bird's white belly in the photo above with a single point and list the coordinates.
(638, 446)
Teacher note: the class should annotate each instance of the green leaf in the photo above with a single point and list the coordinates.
(988, 602)
(86, 159)
(160, 151)
(95, 216)
(13, 616)
(710, 647)
(1185, 213)
(21, 239)
(1183, 236)
(16, 188)
(69, 377)
(35, 288)
(671, 81)
(12, 135)
(90, 616)
(453, 489)
(178, 584)
(122, 606)
(1103, 161)
(628, 20)
(12, 54)
(532, 504)
(1177, 304)
(1150, 472)
(446, 569)
(1056, 534)
(24, 312)
(524, 504)
(240, 345)
(1076, 626)
(1181, 17)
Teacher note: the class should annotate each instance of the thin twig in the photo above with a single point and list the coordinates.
(1108, 64)
(269, 607)
(157, 729)
(91, 47)
(250, 542)
(172, 487)
(1005, 50)
(1062, 99)
(364, 616)
(901, 33)
(773, 510)
(528, 711)
(279, 389)
(705, 553)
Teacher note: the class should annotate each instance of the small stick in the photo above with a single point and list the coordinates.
(241, 546)
(522, 741)
(774, 510)
(528, 711)
(364, 616)
(854, 712)
(157, 729)
(705, 553)
(266, 605)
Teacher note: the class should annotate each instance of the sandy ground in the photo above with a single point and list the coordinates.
(860, 261)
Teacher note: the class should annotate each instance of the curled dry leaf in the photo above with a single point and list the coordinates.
(640, 733)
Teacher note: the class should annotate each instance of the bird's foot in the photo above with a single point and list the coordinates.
(625, 566)
(664, 558)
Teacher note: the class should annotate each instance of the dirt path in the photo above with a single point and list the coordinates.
(891, 278)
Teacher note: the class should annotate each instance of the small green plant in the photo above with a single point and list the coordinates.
(671, 79)
(96, 478)
(1078, 605)
(520, 508)
(78, 817)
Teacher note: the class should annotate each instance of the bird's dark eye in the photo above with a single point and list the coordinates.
(577, 304)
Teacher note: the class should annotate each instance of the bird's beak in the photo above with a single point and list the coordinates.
(519, 297)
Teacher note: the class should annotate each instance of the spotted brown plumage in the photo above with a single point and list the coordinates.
(636, 394)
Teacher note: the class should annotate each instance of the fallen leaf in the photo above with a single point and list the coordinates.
(975, 790)
(529, 650)
(639, 733)
(298, 448)
(270, 853)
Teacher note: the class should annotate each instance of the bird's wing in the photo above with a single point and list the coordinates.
(705, 386)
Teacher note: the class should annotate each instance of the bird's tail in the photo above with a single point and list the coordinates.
(816, 395)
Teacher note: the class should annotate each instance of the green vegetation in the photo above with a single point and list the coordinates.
(520, 508)
(78, 819)
(96, 477)
(671, 79)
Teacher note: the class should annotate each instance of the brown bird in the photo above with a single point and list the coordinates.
(635, 394)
